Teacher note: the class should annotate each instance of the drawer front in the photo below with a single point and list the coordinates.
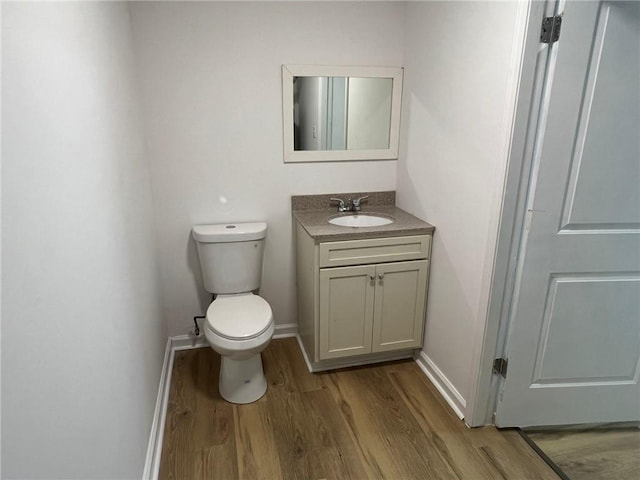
(374, 250)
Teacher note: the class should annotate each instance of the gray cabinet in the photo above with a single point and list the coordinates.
(371, 308)
(346, 311)
(361, 301)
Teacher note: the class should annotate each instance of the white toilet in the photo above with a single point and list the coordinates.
(239, 324)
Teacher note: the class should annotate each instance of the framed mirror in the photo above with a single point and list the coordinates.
(341, 113)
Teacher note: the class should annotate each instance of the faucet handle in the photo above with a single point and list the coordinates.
(357, 201)
(341, 205)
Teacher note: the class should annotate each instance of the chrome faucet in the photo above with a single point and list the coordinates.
(355, 203)
(349, 205)
(342, 206)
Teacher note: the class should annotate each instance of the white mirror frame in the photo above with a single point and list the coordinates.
(291, 71)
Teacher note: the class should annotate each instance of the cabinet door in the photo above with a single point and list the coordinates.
(400, 296)
(346, 311)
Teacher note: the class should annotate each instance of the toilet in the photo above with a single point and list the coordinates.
(239, 324)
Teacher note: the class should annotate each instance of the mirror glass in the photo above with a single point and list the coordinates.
(340, 113)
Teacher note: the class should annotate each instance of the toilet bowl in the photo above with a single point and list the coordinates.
(239, 327)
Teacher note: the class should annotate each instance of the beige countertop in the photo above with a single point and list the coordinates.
(316, 223)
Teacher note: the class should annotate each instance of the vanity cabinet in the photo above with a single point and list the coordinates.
(361, 301)
(371, 308)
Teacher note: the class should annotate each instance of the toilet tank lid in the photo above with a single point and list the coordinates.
(230, 232)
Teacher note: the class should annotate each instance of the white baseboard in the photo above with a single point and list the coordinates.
(358, 361)
(154, 449)
(442, 383)
(304, 354)
(285, 331)
(187, 342)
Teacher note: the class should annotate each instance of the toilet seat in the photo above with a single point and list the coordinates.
(239, 317)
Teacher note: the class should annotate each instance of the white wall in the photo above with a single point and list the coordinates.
(82, 333)
(211, 81)
(457, 115)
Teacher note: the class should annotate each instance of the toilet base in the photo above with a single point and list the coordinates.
(242, 381)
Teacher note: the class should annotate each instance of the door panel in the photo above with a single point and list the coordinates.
(607, 128)
(399, 305)
(574, 336)
(574, 302)
(346, 311)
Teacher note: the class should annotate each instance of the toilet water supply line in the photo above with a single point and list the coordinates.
(195, 322)
(195, 319)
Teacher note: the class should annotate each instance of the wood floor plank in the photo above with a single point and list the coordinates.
(609, 453)
(311, 436)
(175, 462)
(512, 456)
(444, 430)
(200, 430)
(336, 437)
(381, 422)
(214, 430)
(257, 452)
(479, 452)
(384, 427)
(285, 368)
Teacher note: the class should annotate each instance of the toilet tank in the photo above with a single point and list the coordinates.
(230, 256)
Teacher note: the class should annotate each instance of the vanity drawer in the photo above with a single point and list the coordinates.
(374, 250)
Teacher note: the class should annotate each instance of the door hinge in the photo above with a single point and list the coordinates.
(550, 31)
(500, 367)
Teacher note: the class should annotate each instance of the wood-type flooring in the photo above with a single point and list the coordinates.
(603, 452)
(385, 421)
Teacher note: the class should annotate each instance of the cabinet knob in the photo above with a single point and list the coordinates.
(381, 276)
(372, 277)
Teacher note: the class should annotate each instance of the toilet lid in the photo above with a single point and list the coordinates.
(239, 316)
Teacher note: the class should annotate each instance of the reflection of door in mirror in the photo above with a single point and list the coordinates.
(320, 113)
(339, 113)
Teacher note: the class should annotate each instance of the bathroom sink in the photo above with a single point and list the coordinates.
(362, 220)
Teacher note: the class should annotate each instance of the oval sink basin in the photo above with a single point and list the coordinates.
(360, 221)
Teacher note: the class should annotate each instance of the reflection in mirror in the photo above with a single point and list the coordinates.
(341, 113)
(338, 113)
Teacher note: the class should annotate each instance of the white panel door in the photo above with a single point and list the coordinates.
(574, 335)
